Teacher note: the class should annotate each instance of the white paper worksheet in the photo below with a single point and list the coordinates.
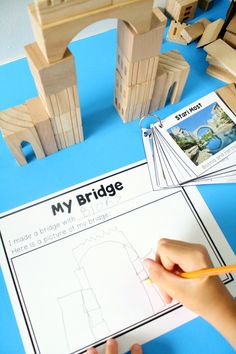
(73, 261)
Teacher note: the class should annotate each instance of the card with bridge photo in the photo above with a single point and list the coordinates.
(196, 145)
(202, 134)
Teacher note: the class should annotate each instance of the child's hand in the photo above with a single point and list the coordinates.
(206, 296)
(112, 348)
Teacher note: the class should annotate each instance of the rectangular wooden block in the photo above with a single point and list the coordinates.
(206, 4)
(225, 54)
(192, 32)
(138, 47)
(158, 89)
(232, 25)
(211, 32)
(51, 78)
(136, 72)
(228, 95)
(230, 38)
(57, 10)
(181, 10)
(42, 123)
(221, 74)
(132, 102)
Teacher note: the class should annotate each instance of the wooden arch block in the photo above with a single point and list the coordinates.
(54, 37)
(17, 127)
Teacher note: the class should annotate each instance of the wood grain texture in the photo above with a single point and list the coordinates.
(17, 127)
(53, 38)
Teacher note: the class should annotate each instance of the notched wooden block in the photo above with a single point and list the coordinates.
(145, 45)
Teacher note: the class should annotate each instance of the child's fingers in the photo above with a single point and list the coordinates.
(187, 256)
(111, 347)
(136, 349)
(91, 351)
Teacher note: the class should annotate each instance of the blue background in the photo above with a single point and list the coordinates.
(109, 144)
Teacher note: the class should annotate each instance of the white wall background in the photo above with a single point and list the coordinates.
(15, 28)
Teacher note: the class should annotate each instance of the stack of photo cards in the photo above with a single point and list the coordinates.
(196, 145)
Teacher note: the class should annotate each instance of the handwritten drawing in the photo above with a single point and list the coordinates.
(103, 298)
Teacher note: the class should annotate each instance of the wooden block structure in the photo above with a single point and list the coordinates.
(57, 87)
(52, 121)
(181, 10)
(55, 23)
(171, 78)
(136, 67)
(222, 60)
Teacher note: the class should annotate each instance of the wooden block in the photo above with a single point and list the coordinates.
(136, 72)
(211, 33)
(228, 95)
(131, 102)
(204, 21)
(206, 4)
(64, 112)
(175, 32)
(143, 46)
(17, 127)
(51, 78)
(220, 74)
(232, 25)
(41, 121)
(53, 38)
(158, 90)
(181, 10)
(224, 54)
(192, 32)
(176, 69)
(48, 12)
(230, 38)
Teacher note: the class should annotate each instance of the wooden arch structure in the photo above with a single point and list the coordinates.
(54, 118)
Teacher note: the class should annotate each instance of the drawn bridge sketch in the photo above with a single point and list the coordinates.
(112, 294)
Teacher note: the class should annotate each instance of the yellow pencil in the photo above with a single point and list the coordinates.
(206, 272)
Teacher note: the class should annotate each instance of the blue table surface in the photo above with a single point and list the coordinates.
(109, 144)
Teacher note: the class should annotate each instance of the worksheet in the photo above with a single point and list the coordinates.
(74, 265)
